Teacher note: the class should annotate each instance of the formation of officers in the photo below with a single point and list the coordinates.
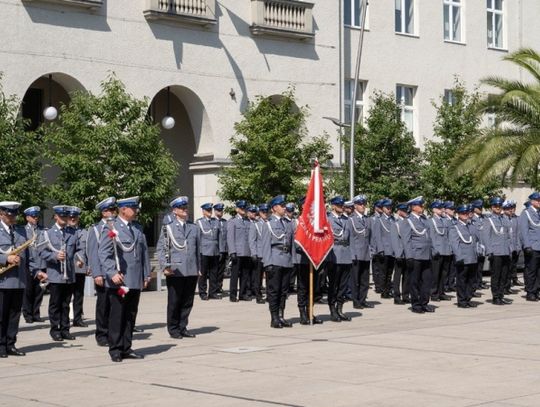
(413, 259)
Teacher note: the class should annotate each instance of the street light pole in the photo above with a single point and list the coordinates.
(363, 11)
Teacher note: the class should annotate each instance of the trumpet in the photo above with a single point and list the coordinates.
(15, 252)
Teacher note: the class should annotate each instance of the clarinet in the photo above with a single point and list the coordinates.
(63, 263)
(116, 259)
(167, 242)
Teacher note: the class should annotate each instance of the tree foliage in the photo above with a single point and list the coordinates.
(20, 166)
(387, 162)
(456, 126)
(270, 154)
(510, 150)
(105, 145)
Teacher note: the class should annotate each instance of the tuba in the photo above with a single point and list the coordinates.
(15, 252)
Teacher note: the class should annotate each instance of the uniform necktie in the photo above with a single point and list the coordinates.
(12, 235)
(130, 230)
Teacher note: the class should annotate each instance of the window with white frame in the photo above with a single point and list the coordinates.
(452, 20)
(349, 90)
(352, 13)
(404, 16)
(495, 23)
(405, 99)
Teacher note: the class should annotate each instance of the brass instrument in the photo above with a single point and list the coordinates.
(15, 252)
(63, 263)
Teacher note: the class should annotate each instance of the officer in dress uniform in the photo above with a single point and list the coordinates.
(441, 251)
(33, 292)
(509, 208)
(277, 244)
(339, 260)
(529, 231)
(179, 253)
(108, 210)
(450, 220)
(477, 221)
(384, 229)
(253, 277)
(463, 242)
(57, 247)
(417, 244)
(497, 239)
(80, 266)
(209, 232)
(290, 209)
(222, 262)
(123, 255)
(361, 256)
(400, 281)
(238, 246)
(12, 281)
(255, 247)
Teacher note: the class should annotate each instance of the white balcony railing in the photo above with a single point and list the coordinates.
(88, 4)
(285, 18)
(198, 12)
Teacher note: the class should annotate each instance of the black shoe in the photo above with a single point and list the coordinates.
(204, 297)
(497, 301)
(445, 297)
(233, 299)
(116, 358)
(476, 295)
(284, 322)
(3, 354)
(81, 324)
(316, 321)
(418, 310)
(304, 319)
(436, 299)
(464, 305)
(367, 305)
(428, 308)
(517, 283)
(38, 319)
(357, 305)
(386, 295)
(68, 336)
(472, 304)
(275, 322)
(138, 330)
(29, 320)
(483, 286)
(398, 301)
(531, 297)
(261, 300)
(341, 314)
(246, 298)
(186, 334)
(407, 300)
(13, 351)
(333, 314)
(57, 337)
(103, 344)
(507, 300)
(132, 355)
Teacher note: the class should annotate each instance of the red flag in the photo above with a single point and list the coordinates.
(313, 232)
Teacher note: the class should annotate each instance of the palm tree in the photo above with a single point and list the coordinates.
(510, 150)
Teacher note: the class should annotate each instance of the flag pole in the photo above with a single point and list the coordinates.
(310, 293)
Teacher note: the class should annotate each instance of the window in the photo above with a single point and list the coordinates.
(352, 13)
(349, 90)
(405, 99)
(449, 97)
(495, 21)
(404, 18)
(452, 20)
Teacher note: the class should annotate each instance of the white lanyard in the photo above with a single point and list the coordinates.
(461, 236)
(206, 232)
(436, 228)
(423, 232)
(173, 240)
(497, 232)
(280, 237)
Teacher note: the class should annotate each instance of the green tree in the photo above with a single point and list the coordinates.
(387, 162)
(511, 150)
(457, 124)
(271, 155)
(20, 166)
(105, 145)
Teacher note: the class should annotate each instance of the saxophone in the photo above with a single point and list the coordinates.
(15, 252)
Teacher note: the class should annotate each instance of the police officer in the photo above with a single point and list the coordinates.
(33, 292)
(361, 256)
(377, 262)
(108, 211)
(290, 209)
(179, 253)
(209, 231)
(463, 241)
(417, 245)
(509, 209)
(255, 247)
(400, 280)
(450, 220)
(80, 266)
(383, 229)
(12, 281)
(238, 246)
(529, 231)
(441, 251)
(477, 221)
(277, 243)
(57, 248)
(123, 254)
(222, 263)
(339, 260)
(253, 276)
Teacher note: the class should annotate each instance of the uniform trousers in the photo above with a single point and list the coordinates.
(256, 278)
(78, 297)
(479, 272)
(440, 266)
(180, 295)
(500, 266)
(277, 279)
(359, 281)
(122, 320)
(59, 300)
(103, 307)
(420, 283)
(465, 280)
(33, 295)
(240, 270)
(303, 284)
(208, 280)
(222, 264)
(450, 283)
(386, 274)
(10, 313)
(532, 273)
(401, 283)
(512, 272)
(338, 280)
(377, 265)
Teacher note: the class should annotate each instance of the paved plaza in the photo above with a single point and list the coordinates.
(488, 356)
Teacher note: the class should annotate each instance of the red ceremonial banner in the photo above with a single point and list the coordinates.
(313, 232)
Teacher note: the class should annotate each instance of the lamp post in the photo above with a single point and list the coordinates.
(50, 113)
(168, 121)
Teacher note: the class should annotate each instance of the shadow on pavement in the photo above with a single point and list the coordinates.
(204, 330)
(155, 350)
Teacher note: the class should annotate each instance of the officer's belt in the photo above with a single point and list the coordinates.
(282, 247)
(341, 243)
